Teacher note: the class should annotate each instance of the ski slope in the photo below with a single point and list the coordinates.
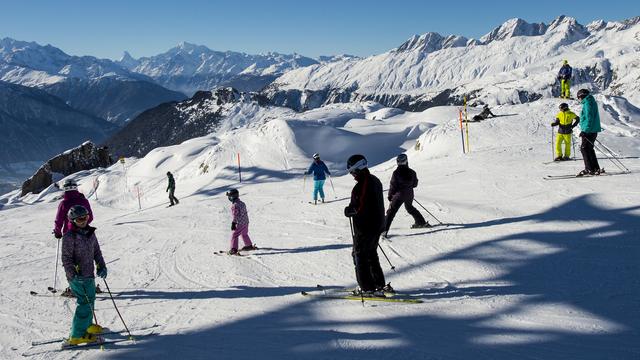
(526, 269)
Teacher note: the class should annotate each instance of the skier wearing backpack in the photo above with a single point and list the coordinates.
(80, 249)
(564, 75)
(403, 181)
(589, 129)
(239, 223)
(63, 224)
(367, 211)
(319, 169)
(566, 120)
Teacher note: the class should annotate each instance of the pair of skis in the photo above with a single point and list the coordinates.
(568, 176)
(346, 294)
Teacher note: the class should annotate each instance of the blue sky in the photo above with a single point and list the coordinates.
(311, 28)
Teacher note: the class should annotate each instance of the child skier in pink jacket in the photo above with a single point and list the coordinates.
(239, 224)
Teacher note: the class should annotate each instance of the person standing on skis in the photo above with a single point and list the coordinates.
(319, 169)
(566, 120)
(589, 129)
(239, 223)
(62, 224)
(367, 211)
(80, 249)
(403, 181)
(171, 188)
(564, 75)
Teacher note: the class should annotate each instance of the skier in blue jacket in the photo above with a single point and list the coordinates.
(319, 169)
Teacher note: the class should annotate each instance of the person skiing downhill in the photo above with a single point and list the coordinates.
(403, 181)
(80, 249)
(566, 120)
(171, 188)
(564, 75)
(589, 129)
(366, 208)
(62, 224)
(239, 223)
(319, 169)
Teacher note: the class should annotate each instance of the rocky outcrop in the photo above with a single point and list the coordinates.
(85, 157)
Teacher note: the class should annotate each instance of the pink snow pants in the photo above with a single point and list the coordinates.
(241, 230)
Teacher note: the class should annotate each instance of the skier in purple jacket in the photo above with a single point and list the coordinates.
(62, 224)
(71, 197)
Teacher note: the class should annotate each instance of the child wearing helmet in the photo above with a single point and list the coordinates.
(239, 223)
(566, 120)
(403, 181)
(71, 198)
(319, 169)
(80, 250)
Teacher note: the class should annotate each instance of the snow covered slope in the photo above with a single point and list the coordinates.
(515, 63)
(527, 268)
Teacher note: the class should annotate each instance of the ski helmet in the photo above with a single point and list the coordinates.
(582, 93)
(233, 194)
(356, 162)
(168, 173)
(564, 106)
(565, 62)
(316, 156)
(402, 159)
(70, 185)
(77, 211)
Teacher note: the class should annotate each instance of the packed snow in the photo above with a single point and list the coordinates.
(525, 268)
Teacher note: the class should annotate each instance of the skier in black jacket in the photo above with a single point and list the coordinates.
(403, 181)
(367, 210)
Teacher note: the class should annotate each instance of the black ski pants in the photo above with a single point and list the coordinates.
(172, 198)
(588, 153)
(365, 258)
(394, 206)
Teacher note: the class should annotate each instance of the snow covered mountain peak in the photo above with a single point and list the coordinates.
(127, 60)
(431, 42)
(514, 27)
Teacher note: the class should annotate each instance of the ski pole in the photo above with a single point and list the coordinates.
(333, 188)
(118, 311)
(552, 155)
(612, 154)
(605, 154)
(93, 310)
(386, 257)
(304, 182)
(428, 212)
(55, 274)
(353, 238)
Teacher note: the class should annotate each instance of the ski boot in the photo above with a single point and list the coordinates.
(559, 158)
(233, 252)
(387, 290)
(84, 339)
(599, 172)
(249, 248)
(68, 293)
(420, 226)
(98, 290)
(385, 235)
(565, 158)
(584, 172)
(95, 329)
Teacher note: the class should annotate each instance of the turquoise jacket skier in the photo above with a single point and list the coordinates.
(590, 117)
(319, 169)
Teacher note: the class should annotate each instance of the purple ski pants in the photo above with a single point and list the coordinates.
(241, 230)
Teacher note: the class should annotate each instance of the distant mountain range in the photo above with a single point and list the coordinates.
(189, 68)
(517, 60)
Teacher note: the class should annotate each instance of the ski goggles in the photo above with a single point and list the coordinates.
(81, 219)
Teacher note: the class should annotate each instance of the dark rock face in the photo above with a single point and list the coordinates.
(172, 123)
(85, 157)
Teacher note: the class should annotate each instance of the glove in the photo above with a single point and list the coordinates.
(581, 134)
(103, 272)
(57, 234)
(390, 197)
(554, 124)
(350, 212)
(233, 225)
